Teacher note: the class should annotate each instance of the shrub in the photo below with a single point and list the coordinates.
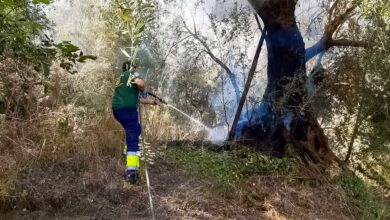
(227, 168)
(367, 204)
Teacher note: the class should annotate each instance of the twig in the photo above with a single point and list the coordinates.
(43, 145)
(17, 144)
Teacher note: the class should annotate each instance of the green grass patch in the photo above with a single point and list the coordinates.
(5, 195)
(367, 204)
(227, 168)
(4, 189)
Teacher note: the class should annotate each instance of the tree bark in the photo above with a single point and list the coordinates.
(289, 121)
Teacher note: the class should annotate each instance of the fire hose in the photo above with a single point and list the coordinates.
(158, 98)
(145, 165)
(145, 162)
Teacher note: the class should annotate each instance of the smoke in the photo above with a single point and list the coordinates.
(218, 135)
(73, 23)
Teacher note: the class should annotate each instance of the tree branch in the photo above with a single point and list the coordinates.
(217, 60)
(208, 50)
(347, 43)
(327, 40)
(248, 83)
(314, 50)
(332, 8)
(335, 23)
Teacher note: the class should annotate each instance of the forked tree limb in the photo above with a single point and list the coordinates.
(323, 45)
(207, 49)
(335, 23)
(327, 41)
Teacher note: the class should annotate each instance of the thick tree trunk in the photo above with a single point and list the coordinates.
(286, 120)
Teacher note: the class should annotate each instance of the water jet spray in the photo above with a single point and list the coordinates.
(216, 135)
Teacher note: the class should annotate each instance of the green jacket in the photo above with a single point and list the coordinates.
(126, 94)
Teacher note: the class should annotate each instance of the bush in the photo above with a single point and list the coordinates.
(227, 168)
(367, 204)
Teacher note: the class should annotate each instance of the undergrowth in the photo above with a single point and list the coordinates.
(366, 202)
(228, 168)
(4, 194)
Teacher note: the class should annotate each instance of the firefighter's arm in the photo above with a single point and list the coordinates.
(142, 88)
(140, 84)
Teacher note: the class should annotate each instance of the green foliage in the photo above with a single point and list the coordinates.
(366, 203)
(358, 86)
(7, 193)
(228, 168)
(193, 93)
(4, 190)
(22, 24)
(134, 15)
(27, 52)
(378, 10)
(70, 54)
(22, 37)
(41, 1)
(130, 18)
(4, 195)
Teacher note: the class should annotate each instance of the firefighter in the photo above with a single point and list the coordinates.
(130, 90)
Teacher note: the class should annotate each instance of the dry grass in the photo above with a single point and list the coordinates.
(68, 163)
(159, 125)
(82, 180)
(63, 165)
(257, 197)
(49, 155)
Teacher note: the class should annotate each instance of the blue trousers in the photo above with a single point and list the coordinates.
(128, 118)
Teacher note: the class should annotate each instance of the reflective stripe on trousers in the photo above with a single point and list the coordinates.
(132, 160)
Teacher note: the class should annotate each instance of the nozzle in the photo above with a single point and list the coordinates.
(159, 99)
